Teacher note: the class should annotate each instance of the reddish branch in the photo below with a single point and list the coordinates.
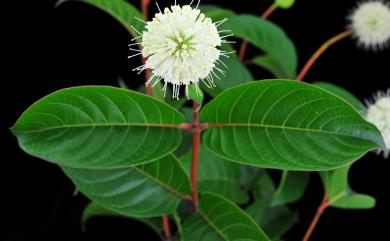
(320, 51)
(148, 74)
(196, 130)
(167, 228)
(324, 204)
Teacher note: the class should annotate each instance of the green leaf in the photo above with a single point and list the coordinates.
(98, 127)
(220, 220)
(217, 175)
(340, 193)
(153, 189)
(344, 94)
(268, 37)
(275, 221)
(287, 125)
(235, 74)
(291, 188)
(195, 94)
(94, 210)
(217, 13)
(121, 10)
(271, 65)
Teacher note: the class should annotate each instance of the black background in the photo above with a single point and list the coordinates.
(47, 48)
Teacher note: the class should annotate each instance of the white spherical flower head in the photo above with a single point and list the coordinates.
(379, 114)
(371, 24)
(180, 45)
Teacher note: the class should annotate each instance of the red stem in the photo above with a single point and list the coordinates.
(144, 6)
(195, 154)
(321, 209)
(265, 15)
(320, 51)
(167, 228)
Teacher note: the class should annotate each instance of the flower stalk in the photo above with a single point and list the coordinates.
(167, 228)
(321, 50)
(148, 73)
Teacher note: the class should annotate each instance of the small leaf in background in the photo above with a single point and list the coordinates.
(344, 94)
(340, 193)
(271, 65)
(287, 125)
(216, 13)
(270, 38)
(284, 3)
(93, 210)
(235, 72)
(218, 219)
(275, 220)
(291, 188)
(217, 175)
(195, 94)
(149, 190)
(121, 10)
(93, 127)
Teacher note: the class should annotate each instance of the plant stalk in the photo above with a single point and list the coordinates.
(167, 228)
(321, 209)
(195, 154)
(244, 44)
(148, 74)
(320, 51)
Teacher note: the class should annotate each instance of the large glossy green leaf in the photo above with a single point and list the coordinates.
(344, 94)
(287, 125)
(121, 10)
(217, 175)
(268, 37)
(291, 188)
(93, 210)
(220, 220)
(153, 189)
(98, 127)
(340, 193)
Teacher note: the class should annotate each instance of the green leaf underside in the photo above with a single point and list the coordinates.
(235, 73)
(268, 37)
(98, 127)
(93, 210)
(291, 187)
(149, 190)
(217, 13)
(344, 94)
(275, 220)
(340, 193)
(270, 64)
(217, 175)
(122, 11)
(219, 219)
(286, 125)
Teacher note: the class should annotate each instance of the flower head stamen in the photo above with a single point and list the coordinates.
(180, 46)
(370, 22)
(379, 114)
